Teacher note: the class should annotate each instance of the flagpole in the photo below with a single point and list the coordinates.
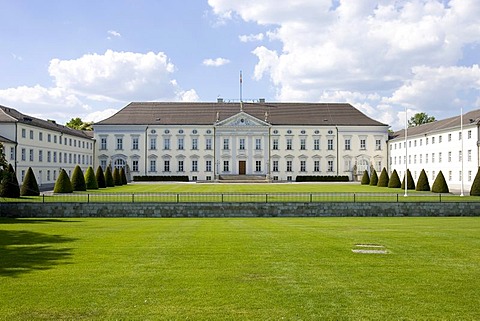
(463, 156)
(241, 89)
(406, 154)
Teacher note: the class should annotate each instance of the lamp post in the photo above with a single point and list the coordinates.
(461, 142)
(406, 154)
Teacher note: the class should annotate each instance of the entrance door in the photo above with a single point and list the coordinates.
(242, 167)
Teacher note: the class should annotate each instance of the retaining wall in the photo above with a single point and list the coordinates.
(236, 209)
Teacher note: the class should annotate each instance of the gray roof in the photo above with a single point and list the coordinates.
(188, 113)
(10, 115)
(6, 140)
(472, 117)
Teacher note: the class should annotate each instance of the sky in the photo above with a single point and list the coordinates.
(61, 59)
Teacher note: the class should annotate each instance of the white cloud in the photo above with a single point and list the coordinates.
(215, 62)
(404, 52)
(99, 115)
(113, 33)
(251, 37)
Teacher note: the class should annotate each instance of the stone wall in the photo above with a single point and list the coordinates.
(236, 209)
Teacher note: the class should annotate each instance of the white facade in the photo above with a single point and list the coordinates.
(439, 146)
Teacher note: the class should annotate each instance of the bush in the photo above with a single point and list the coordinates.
(440, 184)
(78, 180)
(365, 178)
(9, 183)
(109, 182)
(410, 181)
(123, 176)
(422, 183)
(100, 177)
(318, 178)
(383, 180)
(117, 179)
(90, 180)
(475, 189)
(160, 178)
(29, 186)
(63, 184)
(394, 180)
(373, 178)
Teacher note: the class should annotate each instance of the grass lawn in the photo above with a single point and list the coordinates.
(246, 269)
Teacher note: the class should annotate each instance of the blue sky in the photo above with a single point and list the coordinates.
(88, 59)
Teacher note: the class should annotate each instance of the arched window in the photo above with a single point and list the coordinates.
(362, 166)
(119, 163)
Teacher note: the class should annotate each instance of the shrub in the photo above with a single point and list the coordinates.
(78, 180)
(365, 178)
(475, 189)
(383, 180)
(373, 178)
(123, 176)
(422, 183)
(63, 184)
(394, 181)
(109, 182)
(29, 186)
(90, 180)
(100, 177)
(9, 183)
(440, 184)
(319, 178)
(117, 179)
(410, 181)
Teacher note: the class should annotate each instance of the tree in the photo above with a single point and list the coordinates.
(29, 186)
(77, 123)
(374, 178)
(410, 181)
(78, 180)
(109, 182)
(383, 180)
(90, 180)
(117, 179)
(394, 181)
(3, 160)
(123, 176)
(422, 183)
(365, 178)
(440, 184)
(100, 176)
(9, 183)
(63, 184)
(475, 189)
(420, 119)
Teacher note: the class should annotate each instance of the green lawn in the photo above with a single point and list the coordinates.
(239, 269)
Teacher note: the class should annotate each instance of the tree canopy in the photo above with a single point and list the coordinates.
(419, 119)
(78, 123)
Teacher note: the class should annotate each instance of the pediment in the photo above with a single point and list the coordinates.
(242, 119)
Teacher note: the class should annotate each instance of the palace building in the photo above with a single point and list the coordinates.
(221, 140)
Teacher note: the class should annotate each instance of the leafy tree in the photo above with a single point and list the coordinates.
(109, 182)
(422, 183)
(117, 179)
(100, 176)
(3, 160)
(475, 189)
(383, 180)
(123, 176)
(440, 184)
(77, 123)
(63, 184)
(410, 181)
(78, 180)
(365, 178)
(420, 119)
(374, 178)
(394, 181)
(90, 180)
(29, 186)
(9, 183)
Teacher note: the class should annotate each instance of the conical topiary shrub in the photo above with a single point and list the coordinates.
(422, 183)
(383, 180)
(365, 178)
(373, 178)
(63, 184)
(9, 183)
(394, 181)
(109, 182)
(29, 186)
(440, 184)
(475, 189)
(117, 179)
(78, 180)
(123, 176)
(410, 181)
(90, 180)
(100, 177)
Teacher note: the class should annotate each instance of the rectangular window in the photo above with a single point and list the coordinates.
(12, 153)
(363, 144)
(31, 134)
(194, 143)
(49, 156)
(208, 143)
(180, 165)
(166, 143)
(460, 156)
(135, 143)
(303, 166)
(48, 175)
(449, 157)
(440, 157)
(40, 155)
(119, 143)
(460, 178)
(241, 144)
(433, 157)
(135, 165)
(103, 164)
(24, 133)
(433, 140)
(153, 143)
(316, 144)
(330, 144)
(426, 141)
(275, 144)
(65, 141)
(289, 165)
(415, 143)
(459, 135)
(469, 134)
(166, 166)
(194, 165)
(421, 140)
(226, 144)
(414, 159)
(258, 143)
(31, 155)
(70, 142)
(469, 176)
(440, 139)
(65, 158)
(180, 144)
(330, 165)
(469, 155)
(275, 166)
(303, 144)
(316, 166)
(289, 144)
(208, 165)
(153, 165)
(449, 176)
(40, 136)
(258, 166)
(449, 137)
(70, 158)
(426, 158)
(378, 144)
(347, 144)
(103, 143)
(226, 166)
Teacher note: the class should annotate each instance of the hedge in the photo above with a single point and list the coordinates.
(365, 178)
(410, 181)
(90, 180)
(394, 180)
(30, 185)
(78, 180)
(123, 176)
(440, 184)
(374, 178)
(325, 178)
(63, 184)
(172, 178)
(109, 182)
(100, 176)
(383, 180)
(117, 179)
(9, 183)
(422, 183)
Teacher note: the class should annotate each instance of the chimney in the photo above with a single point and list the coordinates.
(219, 100)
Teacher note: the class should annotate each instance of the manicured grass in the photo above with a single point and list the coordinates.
(247, 269)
